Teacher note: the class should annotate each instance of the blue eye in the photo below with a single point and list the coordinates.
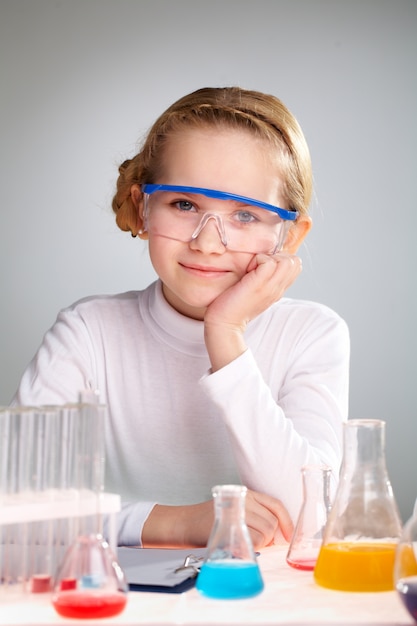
(245, 217)
(184, 205)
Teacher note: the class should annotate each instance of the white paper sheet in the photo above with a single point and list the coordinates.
(156, 566)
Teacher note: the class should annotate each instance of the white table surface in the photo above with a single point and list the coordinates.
(290, 597)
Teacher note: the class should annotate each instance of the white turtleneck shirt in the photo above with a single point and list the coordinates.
(174, 429)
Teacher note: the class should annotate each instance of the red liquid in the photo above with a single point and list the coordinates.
(41, 583)
(89, 605)
(68, 583)
(304, 564)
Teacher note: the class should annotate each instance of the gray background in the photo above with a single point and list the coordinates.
(81, 82)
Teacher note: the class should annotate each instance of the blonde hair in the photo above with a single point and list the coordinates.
(261, 114)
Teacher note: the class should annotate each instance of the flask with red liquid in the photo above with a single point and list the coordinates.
(90, 582)
(308, 532)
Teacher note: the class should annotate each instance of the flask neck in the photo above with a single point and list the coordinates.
(364, 506)
(317, 485)
(230, 538)
(229, 503)
(364, 447)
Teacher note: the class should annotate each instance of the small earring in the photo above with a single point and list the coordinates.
(140, 231)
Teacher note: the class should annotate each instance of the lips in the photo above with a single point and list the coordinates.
(204, 270)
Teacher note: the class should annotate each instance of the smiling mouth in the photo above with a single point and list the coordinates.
(204, 270)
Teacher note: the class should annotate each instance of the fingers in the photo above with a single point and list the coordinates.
(267, 519)
(282, 264)
(279, 257)
(276, 507)
(268, 277)
(281, 267)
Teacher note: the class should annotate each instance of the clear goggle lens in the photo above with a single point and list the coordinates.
(241, 226)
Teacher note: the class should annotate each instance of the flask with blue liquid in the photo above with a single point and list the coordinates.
(230, 569)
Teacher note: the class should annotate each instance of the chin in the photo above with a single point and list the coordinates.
(192, 307)
(192, 301)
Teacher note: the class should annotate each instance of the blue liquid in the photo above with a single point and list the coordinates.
(229, 580)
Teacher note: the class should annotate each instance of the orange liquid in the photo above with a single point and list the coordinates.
(356, 566)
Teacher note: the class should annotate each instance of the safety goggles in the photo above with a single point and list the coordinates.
(243, 224)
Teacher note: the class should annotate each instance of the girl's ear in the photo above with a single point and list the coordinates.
(137, 199)
(297, 233)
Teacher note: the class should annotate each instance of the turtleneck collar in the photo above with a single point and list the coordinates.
(178, 331)
(181, 332)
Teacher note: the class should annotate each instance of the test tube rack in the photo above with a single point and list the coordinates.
(51, 490)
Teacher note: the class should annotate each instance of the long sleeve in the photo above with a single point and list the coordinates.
(65, 365)
(277, 426)
(172, 431)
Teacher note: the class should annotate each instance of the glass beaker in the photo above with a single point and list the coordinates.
(308, 531)
(364, 526)
(90, 582)
(405, 567)
(229, 570)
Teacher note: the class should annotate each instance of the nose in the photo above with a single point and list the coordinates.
(210, 234)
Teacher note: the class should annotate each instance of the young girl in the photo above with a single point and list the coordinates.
(210, 375)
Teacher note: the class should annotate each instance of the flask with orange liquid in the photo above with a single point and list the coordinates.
(364, 526)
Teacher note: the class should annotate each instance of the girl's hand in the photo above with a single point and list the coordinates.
(267, 519)
(266, 280)
(190, 525)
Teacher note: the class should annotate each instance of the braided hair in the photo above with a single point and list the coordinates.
(263, 115)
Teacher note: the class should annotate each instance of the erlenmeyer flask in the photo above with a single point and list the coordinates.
(90, 583)
(361, 534)
(308, 532)
(229, 570)
(405, 568)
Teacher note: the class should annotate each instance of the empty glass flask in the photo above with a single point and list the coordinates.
(308, 532)
(364, 525)
(230, 569)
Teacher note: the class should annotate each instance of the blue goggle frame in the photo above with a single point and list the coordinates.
(222, 195)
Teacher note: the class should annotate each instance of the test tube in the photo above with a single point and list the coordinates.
(4, 452)
(44, 481)
(47, 453)
(15, 455)
(91, 458)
